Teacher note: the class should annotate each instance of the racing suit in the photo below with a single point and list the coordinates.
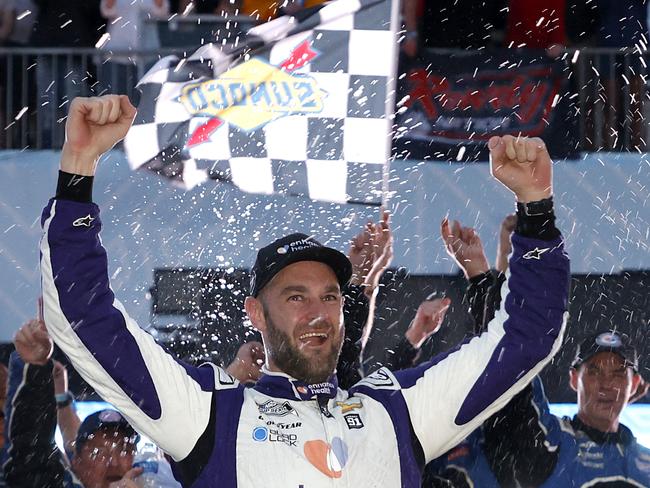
(282, 432)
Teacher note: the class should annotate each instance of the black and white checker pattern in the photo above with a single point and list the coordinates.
(338, 154)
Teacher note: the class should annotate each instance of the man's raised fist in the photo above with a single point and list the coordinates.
(93, 127)
(33, 343)
(523, 166)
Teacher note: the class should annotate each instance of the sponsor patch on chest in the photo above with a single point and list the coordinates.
(277, 409)
(353, 420)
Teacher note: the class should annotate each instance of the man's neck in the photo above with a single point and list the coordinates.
(623, 435)
(606, 426)
(271, 368)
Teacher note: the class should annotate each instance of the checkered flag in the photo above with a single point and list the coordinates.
(303, 106)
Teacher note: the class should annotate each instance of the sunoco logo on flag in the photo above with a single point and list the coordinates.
(253, 94)
(303, 106)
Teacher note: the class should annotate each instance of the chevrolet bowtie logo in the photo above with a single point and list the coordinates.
(349, 405)
(83, 221)
(536, 253)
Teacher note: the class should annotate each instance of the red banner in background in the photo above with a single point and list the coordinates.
(450, 104)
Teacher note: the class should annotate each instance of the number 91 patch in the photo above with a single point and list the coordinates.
(353, 420)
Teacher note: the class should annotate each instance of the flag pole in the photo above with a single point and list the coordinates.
(391, 88)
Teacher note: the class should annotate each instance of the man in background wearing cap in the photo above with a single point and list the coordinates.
(105, 442)
(605, 355)
(295, 427)
(590, 449)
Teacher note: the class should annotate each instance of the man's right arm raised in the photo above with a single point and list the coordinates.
(163, 398)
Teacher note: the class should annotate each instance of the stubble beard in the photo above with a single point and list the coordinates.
(293, 362)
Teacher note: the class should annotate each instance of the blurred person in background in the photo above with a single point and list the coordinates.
(156, 471)
(591, 447)
(67, 418)
(104, 447)
(128, 31)
(461, 24)
(17, 19)
(210, 7)
(266, 10)
(537, 24)
(621, 25)
(59, 78)
(4, 380)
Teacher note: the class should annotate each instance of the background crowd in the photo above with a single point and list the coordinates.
(461, 24)
(129, 35)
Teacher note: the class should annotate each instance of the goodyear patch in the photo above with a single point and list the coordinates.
(253, 94)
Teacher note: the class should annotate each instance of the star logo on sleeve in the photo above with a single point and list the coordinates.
(536, 253)
(83, 221)
(76, 179)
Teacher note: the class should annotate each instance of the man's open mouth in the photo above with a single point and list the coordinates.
(313, 339)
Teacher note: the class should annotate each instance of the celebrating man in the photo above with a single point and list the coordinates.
(295, 428)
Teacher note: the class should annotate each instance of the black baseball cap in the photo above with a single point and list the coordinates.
(291, 249)
(104, 419)
(607, 341)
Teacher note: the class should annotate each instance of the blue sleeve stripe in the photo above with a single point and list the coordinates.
(533, 317)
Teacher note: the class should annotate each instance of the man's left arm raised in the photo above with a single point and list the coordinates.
(446, 398)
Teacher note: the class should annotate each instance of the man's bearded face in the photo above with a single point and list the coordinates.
(303, 313)
(313, 366)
